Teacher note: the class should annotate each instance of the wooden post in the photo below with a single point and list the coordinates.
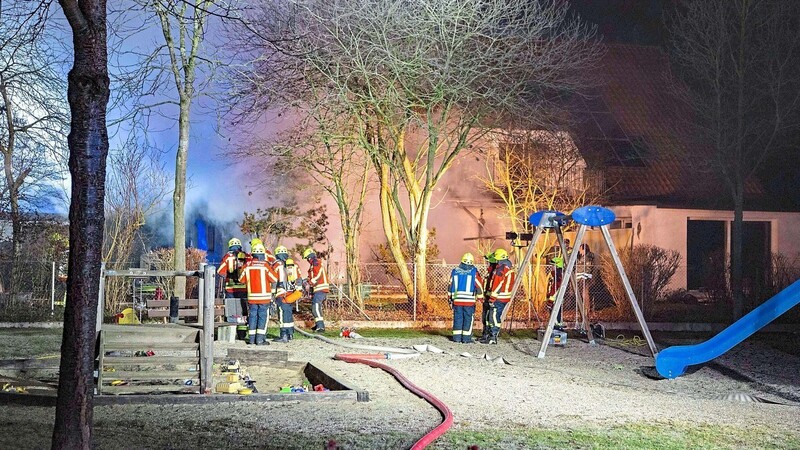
(101, 298)
(200, 293)
(207, 344)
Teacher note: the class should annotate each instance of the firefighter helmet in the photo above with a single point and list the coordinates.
(468, 259)
(308, 252)
(258, 249)
(234, 242)
(281, 250)
(490, 258)
(255, 241)
(500, 254)
(290, 262)
(241, 255)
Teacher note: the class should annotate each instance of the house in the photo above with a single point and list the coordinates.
(631, 148)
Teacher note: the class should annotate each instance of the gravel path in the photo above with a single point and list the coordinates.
(572, 387)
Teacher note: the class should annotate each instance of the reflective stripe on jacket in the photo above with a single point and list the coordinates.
(317, 278)
(258, 277)
(465, 284)
(502, 282)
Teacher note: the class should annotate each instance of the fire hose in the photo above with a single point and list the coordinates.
(369, 359)
(395, 353)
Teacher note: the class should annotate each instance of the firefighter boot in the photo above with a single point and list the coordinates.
(284, 337)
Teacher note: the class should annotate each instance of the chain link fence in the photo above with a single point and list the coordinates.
(30, 291)
(36, 291)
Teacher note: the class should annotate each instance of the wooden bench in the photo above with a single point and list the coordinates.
(187, 308)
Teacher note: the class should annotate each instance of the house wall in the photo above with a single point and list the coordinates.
(666, 228)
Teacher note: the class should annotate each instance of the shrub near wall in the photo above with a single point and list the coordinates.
(649, 269)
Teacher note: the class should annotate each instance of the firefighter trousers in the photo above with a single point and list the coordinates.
(462, 323)
(257, 322)
(316, 309)
(496, 314)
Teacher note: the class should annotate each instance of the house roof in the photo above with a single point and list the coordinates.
(631, 128)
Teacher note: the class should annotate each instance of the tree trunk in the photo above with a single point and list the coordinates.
(88, 95)
(179, 197)
(392, 231)
(737, 231)
(353, 269)
(11, 185)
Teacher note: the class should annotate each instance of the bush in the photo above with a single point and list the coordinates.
(649, 269)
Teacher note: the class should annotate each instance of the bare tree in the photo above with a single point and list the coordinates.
(137, 184)
(34, 114)
(88, 95)
(421, 80)
(739, 63)
(180, 61)
(535, 170)
(323, 151)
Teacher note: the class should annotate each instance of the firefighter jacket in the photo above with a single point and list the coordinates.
(230, 268)
(259, 277)
(465, 284)
(279, 288)
(487, 284)
(502, 282)
(317, 278)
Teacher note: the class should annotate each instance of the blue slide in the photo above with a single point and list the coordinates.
(673, 361)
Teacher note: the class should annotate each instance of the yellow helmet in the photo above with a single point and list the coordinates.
(308, 252)
(281, 250)
(500, 254)
(255, 241)
(241, 255)
(468, 259)
(234, 242)
(259, 249)
(290, 262)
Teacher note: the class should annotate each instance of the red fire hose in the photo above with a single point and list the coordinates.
(368, 359)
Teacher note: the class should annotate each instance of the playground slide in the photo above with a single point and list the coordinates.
(673, 361)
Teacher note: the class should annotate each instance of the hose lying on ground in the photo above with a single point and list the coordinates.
(438, 404)
(373, 348)
(393, 353)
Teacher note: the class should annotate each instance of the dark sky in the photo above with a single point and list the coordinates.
(628, 21)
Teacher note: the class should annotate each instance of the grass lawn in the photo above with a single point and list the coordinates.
(658, 436)
(29, 342)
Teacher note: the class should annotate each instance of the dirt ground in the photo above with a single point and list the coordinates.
(577, 387)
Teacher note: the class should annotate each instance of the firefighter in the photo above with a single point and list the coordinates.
(318, 285)
(466, 285)
(259, 277)
(487, 289)
(270, 258)
(230, 269)
(284, 288)
(500, 294)
(556, 259)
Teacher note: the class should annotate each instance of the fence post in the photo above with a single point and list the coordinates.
(53, 289)
(414, 312)
(101, 298)
(200, 293)
(207, 362)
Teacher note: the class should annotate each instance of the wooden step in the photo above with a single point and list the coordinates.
(137, 346)
(150, 360)
(128, 375)
(144, 389)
